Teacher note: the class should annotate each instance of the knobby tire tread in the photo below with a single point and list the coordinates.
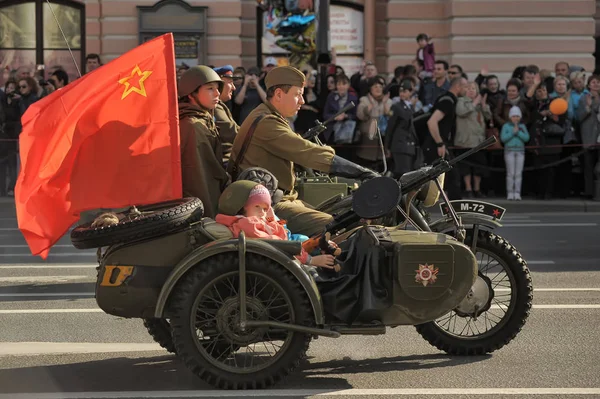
(522, 307)
(181, 214)
(184, 295)
(160, 331)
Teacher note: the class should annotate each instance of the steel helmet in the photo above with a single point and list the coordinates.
(195, 77)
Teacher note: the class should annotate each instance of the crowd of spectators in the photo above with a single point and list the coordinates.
(550, 156)
(21, 88)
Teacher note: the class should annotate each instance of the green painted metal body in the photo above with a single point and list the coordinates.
(316, 190)
(158, 264)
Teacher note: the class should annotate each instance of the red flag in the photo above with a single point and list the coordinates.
(110, 139)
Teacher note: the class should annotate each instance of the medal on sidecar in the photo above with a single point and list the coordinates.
(376, 198)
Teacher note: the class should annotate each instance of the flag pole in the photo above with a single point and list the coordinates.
(64, 37)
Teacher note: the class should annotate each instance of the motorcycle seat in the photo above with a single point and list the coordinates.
(214, 230)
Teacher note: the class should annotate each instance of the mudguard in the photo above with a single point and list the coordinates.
(253, 246)
(444, 224)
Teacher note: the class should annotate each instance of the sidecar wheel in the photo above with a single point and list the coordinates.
(459, 334)
(160, 331)
(156, 219)
(204, 314)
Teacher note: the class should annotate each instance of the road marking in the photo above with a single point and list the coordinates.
(50, 266)
(42, 279)
(550, 225)
(35, 311)
(596, 306)
(37, 348)
(98, 310)
(281, 393)
(41, 294)
(554, 289)
(554, 306)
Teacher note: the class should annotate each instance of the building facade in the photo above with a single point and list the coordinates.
(497, 34)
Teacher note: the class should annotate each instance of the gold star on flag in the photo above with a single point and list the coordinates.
(129, 88)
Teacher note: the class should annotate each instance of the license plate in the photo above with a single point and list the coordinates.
(476, 207)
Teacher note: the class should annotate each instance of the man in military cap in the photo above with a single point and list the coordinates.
(270, 143)
(227, 127)
(203, 174)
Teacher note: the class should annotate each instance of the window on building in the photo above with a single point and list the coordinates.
(30, 38)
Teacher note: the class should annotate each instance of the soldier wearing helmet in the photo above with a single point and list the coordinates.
(203, 174)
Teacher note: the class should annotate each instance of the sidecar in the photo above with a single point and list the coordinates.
(241, 312)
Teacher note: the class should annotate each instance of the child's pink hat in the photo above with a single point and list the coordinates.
(260, 195)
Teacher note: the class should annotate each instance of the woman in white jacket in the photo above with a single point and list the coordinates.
(373, 108)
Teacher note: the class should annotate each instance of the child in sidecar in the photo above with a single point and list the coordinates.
(246, 206)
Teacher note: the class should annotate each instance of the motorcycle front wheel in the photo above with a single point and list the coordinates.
(505, 273)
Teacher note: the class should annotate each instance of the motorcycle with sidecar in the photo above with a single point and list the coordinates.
(240, 313)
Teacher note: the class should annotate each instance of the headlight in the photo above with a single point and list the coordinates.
(430, 193)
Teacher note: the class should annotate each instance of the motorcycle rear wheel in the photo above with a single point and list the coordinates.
(500, 324)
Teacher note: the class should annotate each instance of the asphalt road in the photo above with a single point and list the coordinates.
(55, 343)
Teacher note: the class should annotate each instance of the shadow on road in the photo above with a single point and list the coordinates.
(396, 363)
(161, 373)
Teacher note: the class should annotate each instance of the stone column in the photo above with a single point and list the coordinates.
(369, 16)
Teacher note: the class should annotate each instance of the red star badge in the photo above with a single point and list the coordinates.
(496, 212)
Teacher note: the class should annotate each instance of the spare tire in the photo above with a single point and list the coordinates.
(156, 220)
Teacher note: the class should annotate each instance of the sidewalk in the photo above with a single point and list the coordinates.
(524, 206)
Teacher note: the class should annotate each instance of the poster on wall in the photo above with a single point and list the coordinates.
(187, 48)
(346, 29)
(290, 27)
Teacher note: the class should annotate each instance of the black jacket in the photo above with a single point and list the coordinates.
(400, 136)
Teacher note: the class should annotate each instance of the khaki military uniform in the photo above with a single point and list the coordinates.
(202, 172)
(276, 147)
(228, 129)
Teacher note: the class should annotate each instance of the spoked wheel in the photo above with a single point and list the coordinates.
(496, 308)
(205, 320)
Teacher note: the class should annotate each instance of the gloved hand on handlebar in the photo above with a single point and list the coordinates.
(343, 168)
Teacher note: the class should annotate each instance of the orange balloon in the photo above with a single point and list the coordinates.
(559, 106)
